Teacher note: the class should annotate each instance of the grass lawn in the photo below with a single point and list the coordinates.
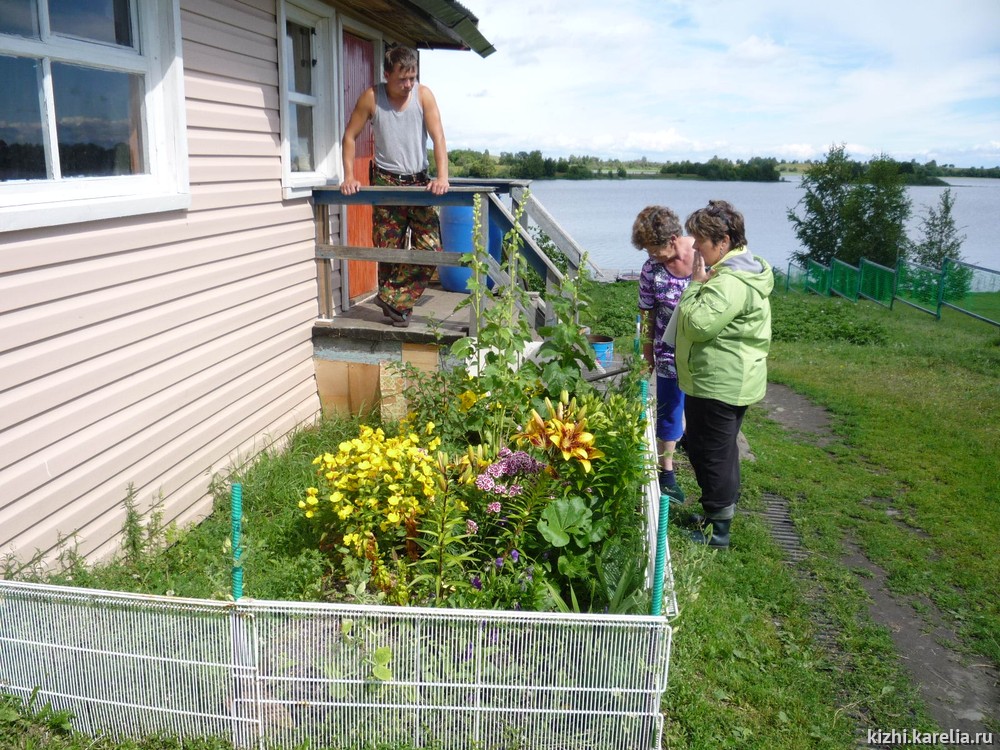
(765, 654)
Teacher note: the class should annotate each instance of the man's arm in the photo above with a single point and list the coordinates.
(364, 110)
(432, 121)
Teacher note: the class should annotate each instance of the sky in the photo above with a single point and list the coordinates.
(691, 79)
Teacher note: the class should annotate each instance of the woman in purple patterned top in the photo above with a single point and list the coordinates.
(663, 279)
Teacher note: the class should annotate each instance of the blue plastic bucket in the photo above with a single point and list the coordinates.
(456, 237)
(604, 349)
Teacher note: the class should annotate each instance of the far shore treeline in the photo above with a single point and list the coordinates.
(535, 166)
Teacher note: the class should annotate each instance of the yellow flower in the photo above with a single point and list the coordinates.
(467, 400)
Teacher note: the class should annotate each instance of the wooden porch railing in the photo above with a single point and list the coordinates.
(494, 215)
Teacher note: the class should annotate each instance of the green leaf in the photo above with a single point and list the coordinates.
(380, 672)
(564, 518)
(383, 655)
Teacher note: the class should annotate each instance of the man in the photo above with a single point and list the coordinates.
(403, 113)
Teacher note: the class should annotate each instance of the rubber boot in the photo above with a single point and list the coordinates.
(720, 521)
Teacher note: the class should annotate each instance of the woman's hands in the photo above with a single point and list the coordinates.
(698, 271)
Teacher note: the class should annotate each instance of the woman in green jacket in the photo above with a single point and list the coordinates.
(723, 337)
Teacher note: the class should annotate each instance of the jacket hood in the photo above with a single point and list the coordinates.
(752, 270)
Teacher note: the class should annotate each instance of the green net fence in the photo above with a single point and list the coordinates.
(795, 281)
(845, 280)
(877, 282)
(972, 290)
(918, 286)
(818, 278)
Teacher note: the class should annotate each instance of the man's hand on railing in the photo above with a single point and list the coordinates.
(438, 186)
(350, 187)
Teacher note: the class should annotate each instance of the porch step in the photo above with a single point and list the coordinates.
(434, 320)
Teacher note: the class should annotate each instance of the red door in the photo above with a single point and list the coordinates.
(359, 75)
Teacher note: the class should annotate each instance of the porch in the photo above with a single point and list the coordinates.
(353, 341)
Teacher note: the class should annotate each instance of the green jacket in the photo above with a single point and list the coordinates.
(724, 331)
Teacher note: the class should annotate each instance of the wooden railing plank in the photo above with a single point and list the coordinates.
(389, 255)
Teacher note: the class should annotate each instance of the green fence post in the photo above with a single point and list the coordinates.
(941, 284)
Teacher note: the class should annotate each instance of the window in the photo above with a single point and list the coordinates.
(307, 123)
(91, 111)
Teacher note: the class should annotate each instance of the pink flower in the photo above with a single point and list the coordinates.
(493, 507)
(471, 527)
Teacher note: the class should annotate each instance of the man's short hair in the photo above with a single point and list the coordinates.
(404, 57)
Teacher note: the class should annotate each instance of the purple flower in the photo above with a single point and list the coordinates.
(471, 527)
(498, 562)
(514, 555)
(485, 482)
(493, 507)
(476, 583)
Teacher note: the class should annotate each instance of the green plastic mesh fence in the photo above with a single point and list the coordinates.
(796, 279)
(877, 283)
(844, 280)
(972, 289)
(818, 278)
(918, 286)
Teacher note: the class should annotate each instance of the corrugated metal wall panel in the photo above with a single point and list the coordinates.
(153, 350)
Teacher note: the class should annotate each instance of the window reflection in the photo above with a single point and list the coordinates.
(22, 153)
(301, 127)
(18, 17)
(98, 121)
(107, 21)
(301, 65)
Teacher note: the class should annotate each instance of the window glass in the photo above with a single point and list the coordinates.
(300, 66)
(18, 17)
(301, 128)
(107, 21)
(22, 149)
(98, 121)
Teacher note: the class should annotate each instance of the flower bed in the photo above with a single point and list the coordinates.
(513, 513)
(513, 483)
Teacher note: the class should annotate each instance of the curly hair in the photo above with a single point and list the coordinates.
(654, 226)
(717, 220)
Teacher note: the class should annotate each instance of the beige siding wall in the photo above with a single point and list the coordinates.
(156, 350)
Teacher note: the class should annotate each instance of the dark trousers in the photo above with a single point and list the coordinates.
(711, 431)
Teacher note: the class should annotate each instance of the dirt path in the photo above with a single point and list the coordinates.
(960, 694)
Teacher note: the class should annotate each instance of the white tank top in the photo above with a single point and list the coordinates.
(400, 137)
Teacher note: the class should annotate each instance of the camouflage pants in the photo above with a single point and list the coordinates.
(401, 284)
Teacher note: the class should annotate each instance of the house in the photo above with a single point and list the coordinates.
(158, 274)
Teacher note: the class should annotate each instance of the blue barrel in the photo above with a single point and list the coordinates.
(604, 349)
(456, 237)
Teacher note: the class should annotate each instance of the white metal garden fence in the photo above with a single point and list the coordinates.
(281, 673)
(270, 674)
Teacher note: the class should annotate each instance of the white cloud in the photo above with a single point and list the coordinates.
(687, 79)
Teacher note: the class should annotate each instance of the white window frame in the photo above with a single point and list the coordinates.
(26, 204)
(322, 19)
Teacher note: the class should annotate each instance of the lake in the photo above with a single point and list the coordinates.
(598, 214)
